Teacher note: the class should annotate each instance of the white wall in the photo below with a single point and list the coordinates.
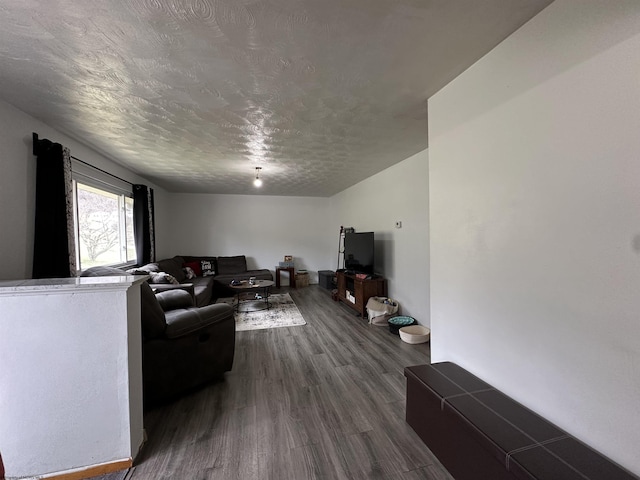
(70, 374)
(264, 228)
(17, 188)
(402, 255)
(535, 220)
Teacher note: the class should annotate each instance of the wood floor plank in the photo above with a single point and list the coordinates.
(324, 400)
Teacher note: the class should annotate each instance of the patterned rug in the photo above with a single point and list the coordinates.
(283, 313)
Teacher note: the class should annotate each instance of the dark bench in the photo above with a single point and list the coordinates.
(479, 433)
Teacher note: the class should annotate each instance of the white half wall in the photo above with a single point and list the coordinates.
(264, 228)
(399, 193)
(70, 374)
(535, 221)
(17, 188)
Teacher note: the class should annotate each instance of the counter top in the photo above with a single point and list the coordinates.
(76, 284)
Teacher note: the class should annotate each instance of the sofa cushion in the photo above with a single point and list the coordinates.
(185, 321)
(203, 290)
(173, 266)
(262, 274)
(231, 265)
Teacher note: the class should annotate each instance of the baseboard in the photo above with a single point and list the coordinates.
(92, 471)
(144, 442)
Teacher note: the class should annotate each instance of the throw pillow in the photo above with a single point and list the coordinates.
(208, 269)
(188, 271)
(195, 266)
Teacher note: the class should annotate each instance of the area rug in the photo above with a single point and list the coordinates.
(283, 313)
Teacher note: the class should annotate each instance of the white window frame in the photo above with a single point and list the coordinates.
(83, 174)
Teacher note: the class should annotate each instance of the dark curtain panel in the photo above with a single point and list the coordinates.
(54, 252)
(143, 224)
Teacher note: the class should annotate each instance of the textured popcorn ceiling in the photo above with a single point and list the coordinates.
(194, 94)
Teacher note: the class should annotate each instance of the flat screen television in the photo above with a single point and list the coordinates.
(358, 252)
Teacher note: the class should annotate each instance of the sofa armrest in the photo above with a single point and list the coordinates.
(163, 287)
(174, 299)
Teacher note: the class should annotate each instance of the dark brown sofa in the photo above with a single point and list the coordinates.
(208, 285)
(183, 346)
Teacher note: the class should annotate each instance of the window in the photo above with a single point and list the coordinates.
(104, 226)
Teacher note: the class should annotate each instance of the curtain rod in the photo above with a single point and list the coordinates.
(101, 170)
(35, 152)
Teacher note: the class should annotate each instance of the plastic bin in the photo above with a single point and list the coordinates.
(325, 278)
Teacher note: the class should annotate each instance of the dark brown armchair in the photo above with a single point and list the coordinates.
(183, 346)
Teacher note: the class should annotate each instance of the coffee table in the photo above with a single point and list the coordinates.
(256, 293)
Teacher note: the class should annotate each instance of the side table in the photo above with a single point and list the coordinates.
(292, 276)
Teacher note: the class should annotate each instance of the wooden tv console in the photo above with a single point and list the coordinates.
(355, 292)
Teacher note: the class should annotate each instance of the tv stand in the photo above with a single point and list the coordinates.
(355, 292)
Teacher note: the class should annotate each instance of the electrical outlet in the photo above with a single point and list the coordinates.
(398, 224)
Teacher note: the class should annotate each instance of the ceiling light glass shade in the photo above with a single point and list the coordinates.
(257, 182)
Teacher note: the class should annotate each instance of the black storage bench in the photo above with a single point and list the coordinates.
(478, 433)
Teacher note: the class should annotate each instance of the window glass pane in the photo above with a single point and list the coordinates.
(98, 227)
(128, 219)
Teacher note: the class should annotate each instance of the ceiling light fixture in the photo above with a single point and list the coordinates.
(257, 182)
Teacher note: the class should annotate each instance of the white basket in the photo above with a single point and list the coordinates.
(379, 308)
(415, 334)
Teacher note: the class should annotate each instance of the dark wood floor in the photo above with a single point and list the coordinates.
(325, 400)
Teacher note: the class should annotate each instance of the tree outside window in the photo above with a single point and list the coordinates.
(105, 227)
